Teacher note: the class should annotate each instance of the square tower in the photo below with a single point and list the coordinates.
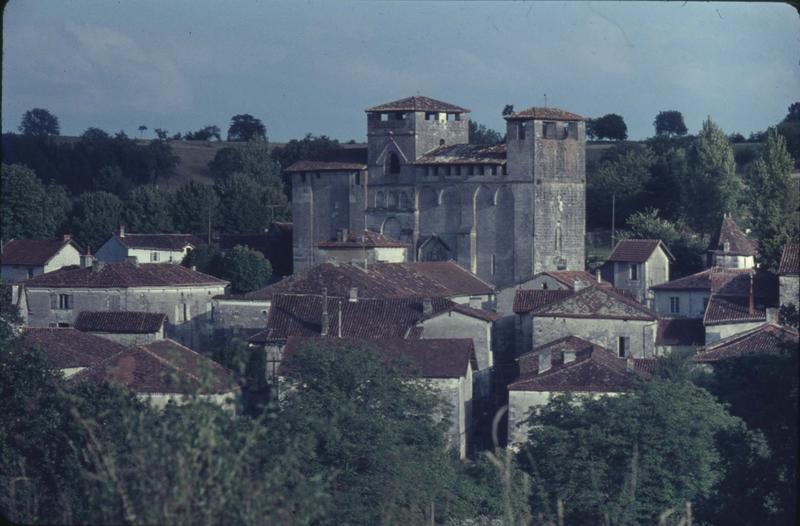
(547, 147)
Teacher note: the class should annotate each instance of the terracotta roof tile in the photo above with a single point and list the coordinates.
(32, 252)
(434, 358)
(738, 243)
(465, 154)
(123, 275)
(529, 362)
(550, 114)
(364, 239)
(596, 303)
(68, 348)
(680, 331)
(418, 103)
(637, 250)
(766, 339)
(571, 277)
(790, 260)
(527, 300)
(726, 281)
(732, 309)
(130, 322)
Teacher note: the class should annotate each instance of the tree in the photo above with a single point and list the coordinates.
(246, 269)
(29, 209)
(194, 208)
(508, 109)
(610, 126)
(245, 127)
(670, 123)
(162, 134)
(147, 211)
(480, 134)
(247, 206)
(225, 162)
(39, 122)
(203, 134)
(111, 180)
(310, 147)
(94, 217)
(142, 129)
(790, 129)
(774, 200)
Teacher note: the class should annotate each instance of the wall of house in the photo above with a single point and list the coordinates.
(131, 339)
(143, 255)
(160, 400)
(68, 255)
(728, 261)
(457, 396)
(355, 255)
(789, 290)
(692, 302)
(457, 325)
(603, 332)
(720, 331)
(240, 314)
(17, 273)
(654, 271)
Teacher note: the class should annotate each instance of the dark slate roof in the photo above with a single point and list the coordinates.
(729, 232)
(164, 366)
(637, 250)
(529, 362)
(434, 358)
(465, 154)
(35, 252)
(765, 339)
(596, 303)
(790, 260)
(123, 274)
(301, 315)
(67, 348)
(325, 166)
(548, 114)
(159, 241)
(732, 309)
(364, 239)
(466, 310)
(130, 322)
(418, 103)
(680, 331)
(532, 299)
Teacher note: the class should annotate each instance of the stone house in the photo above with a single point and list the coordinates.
(567, 365)
(638, 264)
(444, 364)
(22, 259)
(358, 247)
(183, 295)
(147, 248)
(127, 328)
(730, 247)
(503, 212)
(597, 314)
(789, 275)
(766, 338)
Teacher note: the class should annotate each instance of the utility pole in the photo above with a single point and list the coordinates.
(545, 100)
(613, 217)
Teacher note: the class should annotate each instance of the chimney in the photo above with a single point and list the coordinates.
(133, 260)
(324, 320)
(544, 361)
(354, 294)
(751, 298)
(98, 266)
(339, 326)
(580, 285)
(121, 230)
(773, 316)
(67, 237)
(630, 364)
(194, 267)
(86, 260)
(569, 357)
(427, 307)
(599, 278)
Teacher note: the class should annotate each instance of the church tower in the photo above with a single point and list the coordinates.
(547, 148)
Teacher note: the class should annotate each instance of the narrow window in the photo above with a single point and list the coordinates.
(470, 170)
(634, 272)
(549, 129)
(494, 169)
(558, 239)
(480, 169)
(623, 346)
(505, 170)
(394, 164)
(494, 264)
(153, 257)
(63, 325)
(441, 142)
(65, 301)
(521, 131)
(384, 117)
(30, 272)
(431, 116)
(358, 178)
(674, 305)
(303, 177)
(457, 169)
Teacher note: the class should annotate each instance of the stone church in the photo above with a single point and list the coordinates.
(504, 212)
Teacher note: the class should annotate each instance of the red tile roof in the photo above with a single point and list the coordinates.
(466, 310)
(32, 252)
(680, 331)
(123, 275)
(465, 154)
(364, 239)
(527, 300)
(160, 241)
(434, 358)
(418, 103)
(161, 367)
(571, 277)
(766, 339)
(68, 348)
(549, 114)
(790, 260)
(130, 322)
(596, 303)
(732, 309)
(529, 362)
(727, 281)
(637, 250)
(301, 315)
(730, 233)
(325, 166)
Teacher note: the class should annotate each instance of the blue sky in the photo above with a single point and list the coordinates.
(314, 66)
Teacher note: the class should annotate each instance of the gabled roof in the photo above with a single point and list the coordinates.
(122, 322)
(637, 250)
(570, 278)
(680, 331)
(765, 339)
(68, 348)
(466, 310)
(548, 114)
(790, 260)
(418, 103)
(527, 300)
(732, 309)
(364, 239)
(596, 303)
(301, 315)
(726, 281)
(32, 252)
(159, 241)
(465, 154)
(161, 367)
(123, 274)
(434, 358)
(728, 232)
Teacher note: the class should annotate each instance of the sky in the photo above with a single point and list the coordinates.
(314, 66)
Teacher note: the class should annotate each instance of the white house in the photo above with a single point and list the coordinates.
(23, 259)
(638, 264)
(147, 248)
(730, 247)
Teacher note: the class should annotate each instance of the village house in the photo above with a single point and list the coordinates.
(765, 339)
(127, 328)
(147, 248)
(638, 264)
(362, 247)
(683, 335)
(183, 295)
(22, 259)
(70, 350)
(567, 365)
(446, 365)
(789, 275)
(730, 247)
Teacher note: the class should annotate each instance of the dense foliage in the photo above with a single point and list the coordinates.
(610, 126)
(480, 134)
(245, 268)
(670, 123)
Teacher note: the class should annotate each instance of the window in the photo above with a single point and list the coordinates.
(303, 177)
(30, 272)
(494, 265)
(480, 169)
(394, 164)
(521, 131)
(63, 325)
(384, 117)
(441, 142)
(494, 169)
(153, 256)
(505, 170)
(623, 346)
(549, 129)
(558, 239)
(674, 305)
(65, 301)
(634, 272)
(358, 178)
(470, 170)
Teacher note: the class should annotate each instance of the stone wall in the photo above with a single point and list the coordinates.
(692, 302)
(603, 332)
(723, 330)
(789, 290)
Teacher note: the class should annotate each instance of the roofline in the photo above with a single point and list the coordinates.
(658, 244)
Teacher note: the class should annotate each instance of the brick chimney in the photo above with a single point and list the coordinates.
(544, 361)
(67, 237)
(580, 285)
(324, 322)
(427, 307)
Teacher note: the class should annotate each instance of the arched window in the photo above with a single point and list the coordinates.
(404, 201)
(379, 201)
(394, 164)
(392, 200)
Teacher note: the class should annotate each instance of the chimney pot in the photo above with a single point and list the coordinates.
(67, 237)
(544, 361)
(427, 307)
(597, 273)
